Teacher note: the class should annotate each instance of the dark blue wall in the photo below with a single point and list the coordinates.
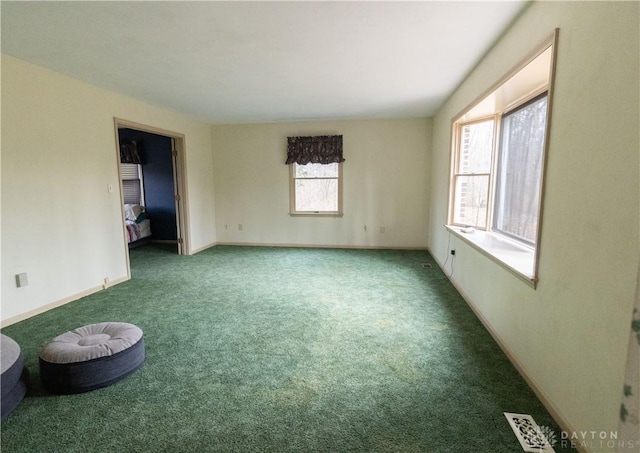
(157, 171)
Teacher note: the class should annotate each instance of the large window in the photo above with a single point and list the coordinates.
(497, 170)
(516, 176)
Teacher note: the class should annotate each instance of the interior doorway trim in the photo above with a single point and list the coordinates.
(180, 186)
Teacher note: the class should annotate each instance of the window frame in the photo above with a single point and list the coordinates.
(513, 254)
(292, 194)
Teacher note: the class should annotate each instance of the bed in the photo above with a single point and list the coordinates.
(137, 224)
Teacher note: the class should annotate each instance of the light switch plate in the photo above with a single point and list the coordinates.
(22, 280)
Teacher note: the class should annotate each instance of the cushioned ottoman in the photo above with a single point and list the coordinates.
(91, 357)
(14, 375)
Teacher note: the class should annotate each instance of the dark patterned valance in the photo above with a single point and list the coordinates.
(320, 149)
(129, 153)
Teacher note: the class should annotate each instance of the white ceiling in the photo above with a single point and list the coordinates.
(237, 62)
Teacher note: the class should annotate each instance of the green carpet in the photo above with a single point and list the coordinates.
(280, 349)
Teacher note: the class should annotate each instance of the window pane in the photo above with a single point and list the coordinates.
(470, 204)
(520, 171)
(316, 195)
(476, 143)
(316, 170)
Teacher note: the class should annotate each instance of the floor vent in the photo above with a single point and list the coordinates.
(533, 438)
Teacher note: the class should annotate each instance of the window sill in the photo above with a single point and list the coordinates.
(517, 259)
(315, 214)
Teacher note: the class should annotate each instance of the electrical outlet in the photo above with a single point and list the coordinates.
(240, 226)
(365, 228)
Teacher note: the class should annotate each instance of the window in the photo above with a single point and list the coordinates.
(132, 186)
(315, 180)
(473, 169)
(519, 171)
(497, 170)
(316, 188)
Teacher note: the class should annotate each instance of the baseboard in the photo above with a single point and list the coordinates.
(59, 303)
(539, 392)
(200, 249)
(323, 246)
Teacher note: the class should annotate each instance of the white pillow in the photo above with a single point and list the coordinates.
(132, 211)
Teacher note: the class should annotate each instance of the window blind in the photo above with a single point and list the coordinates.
(129, 171)
(131, 183)
(131, 191)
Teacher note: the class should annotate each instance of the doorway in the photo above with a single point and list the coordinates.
(162, 182)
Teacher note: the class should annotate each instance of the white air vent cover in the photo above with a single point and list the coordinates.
(533, 438)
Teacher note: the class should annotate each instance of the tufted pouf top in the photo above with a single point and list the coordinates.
(10, 352)
(91, 342)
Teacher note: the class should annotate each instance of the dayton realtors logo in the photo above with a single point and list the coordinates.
(596, 441)
(536, 438)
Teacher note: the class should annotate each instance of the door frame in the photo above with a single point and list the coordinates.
(179, 181)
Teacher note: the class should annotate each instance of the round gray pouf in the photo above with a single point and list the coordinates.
(13, 378)
(91, 357)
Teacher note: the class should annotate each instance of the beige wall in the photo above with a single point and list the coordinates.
(386, 181)
(59, 223)
(570, 335)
